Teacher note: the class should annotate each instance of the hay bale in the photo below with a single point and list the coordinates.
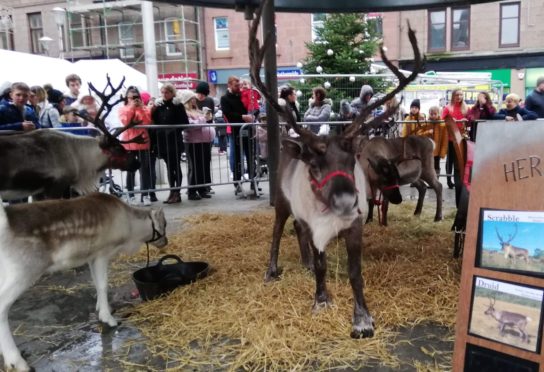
(233, 320)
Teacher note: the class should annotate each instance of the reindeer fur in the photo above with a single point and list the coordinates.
(53, 235)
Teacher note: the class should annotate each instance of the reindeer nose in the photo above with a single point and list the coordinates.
(344, 203)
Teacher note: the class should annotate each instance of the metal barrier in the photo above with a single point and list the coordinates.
(166, 165)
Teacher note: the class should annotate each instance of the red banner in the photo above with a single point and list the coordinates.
(181, 80)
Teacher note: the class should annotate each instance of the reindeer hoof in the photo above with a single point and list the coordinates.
(363, 328)
(364, 332)
(438, 219)
(272, 275)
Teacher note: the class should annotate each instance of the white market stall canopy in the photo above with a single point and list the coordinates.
(39, 70)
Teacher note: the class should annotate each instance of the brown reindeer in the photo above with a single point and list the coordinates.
(413, 157)
(48, 162)
(511, 251)
(320, 185)
(509, 319)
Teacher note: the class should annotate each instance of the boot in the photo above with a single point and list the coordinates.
(168, 200)
(176, 197)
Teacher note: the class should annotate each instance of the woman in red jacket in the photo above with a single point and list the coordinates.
(457, 109)
(134, 111)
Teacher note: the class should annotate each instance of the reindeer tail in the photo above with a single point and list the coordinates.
(529, 319)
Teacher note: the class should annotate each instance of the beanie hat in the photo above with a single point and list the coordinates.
(416, 103)
(203, 88)
(185, 95)
(145, 97)
(540, 80)
(54, 96)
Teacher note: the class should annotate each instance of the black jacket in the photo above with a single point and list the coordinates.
(168, 112)
(233, 109)
(535, 102)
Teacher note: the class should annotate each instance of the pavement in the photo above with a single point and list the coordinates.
(59, 331)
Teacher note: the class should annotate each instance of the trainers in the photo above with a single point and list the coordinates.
(131, 200)
(147, 201)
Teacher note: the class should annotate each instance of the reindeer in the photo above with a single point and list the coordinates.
(413, 157)
(511, 251)
(52, 235)
(320, 185)
(49, 161)
(509, 319)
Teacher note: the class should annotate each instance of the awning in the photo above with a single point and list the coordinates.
(330, 6)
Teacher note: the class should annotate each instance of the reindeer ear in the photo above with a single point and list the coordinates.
(293, 147)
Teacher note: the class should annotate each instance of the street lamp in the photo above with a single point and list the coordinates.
(44, 42)
(60, 17)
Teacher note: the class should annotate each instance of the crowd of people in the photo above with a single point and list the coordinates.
(24, 108)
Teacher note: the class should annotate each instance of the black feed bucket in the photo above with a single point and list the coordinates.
(154, 281)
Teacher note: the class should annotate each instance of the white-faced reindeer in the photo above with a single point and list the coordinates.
(509, 319)
(49, 162)
(319, 184)
(53, 235)
(413, 156)
(510, 251)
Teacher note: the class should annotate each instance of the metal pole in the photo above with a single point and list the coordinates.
(150, 51)
(270, 79)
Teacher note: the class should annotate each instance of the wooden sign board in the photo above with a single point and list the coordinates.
(500, 313)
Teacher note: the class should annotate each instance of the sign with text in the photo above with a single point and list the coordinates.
(181, 80)
(502, 275)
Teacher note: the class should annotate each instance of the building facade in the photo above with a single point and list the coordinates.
(84, 29)
(502, 37)
(210, 44)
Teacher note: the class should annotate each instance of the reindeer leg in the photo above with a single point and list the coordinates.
(370, 214)
(362, 322)
(282, 213)
(385, 208)
(100, 268)
(12, 287)
(304, 244)
(437, 186)
(322, 299)
(421, 190)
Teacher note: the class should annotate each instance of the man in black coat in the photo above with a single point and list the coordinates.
(535, 100)
(235, 112)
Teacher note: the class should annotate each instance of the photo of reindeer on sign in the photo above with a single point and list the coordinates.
(506, 313)
(511, 241)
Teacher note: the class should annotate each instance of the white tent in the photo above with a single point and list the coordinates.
(39, 70)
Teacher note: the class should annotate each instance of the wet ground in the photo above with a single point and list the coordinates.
(56, 328)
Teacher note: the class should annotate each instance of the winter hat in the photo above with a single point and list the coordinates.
(55, 96)
(203, 88)
(540, 80)
(416, 103)
(145, 97)
(185, 95)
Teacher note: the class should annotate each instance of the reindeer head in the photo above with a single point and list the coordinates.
(505, 243)
(331, 165)
(491, 307)
(388, 182)
(112, 147)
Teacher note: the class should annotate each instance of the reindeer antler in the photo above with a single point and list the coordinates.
(419, 62)
(106, 108)
(256, 56)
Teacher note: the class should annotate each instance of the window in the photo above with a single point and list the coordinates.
(172, 28)
(6, 29)
(460, 28)
(36, 32)
(375, 22)
(126, 37)
(79, 28)
(318, 19)
(221, 28)
(509, 27)
(437, 30)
